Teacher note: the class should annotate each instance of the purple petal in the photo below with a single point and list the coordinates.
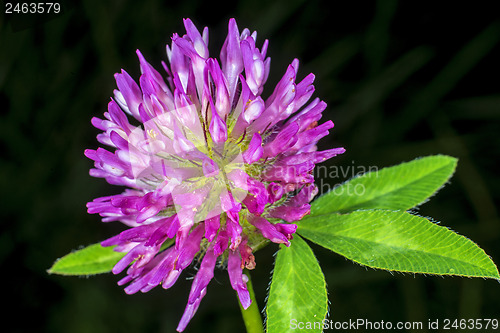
(257, 197)
(221, 243)
(119, 118)
(268, 230)
(306, 194)
(245, 99)
(163, 231)
(312, 135)
(305, 89)
(284, 140)
(254, 65)
(195, 37)
(254, 151)
(275, 191)
(198, 288)
(179, 64)
(211, 227)
(218, 129)
(290, 214)
(190, 248)
(234, 229)
(221, 96)
(287, 229)
(235, 271)
(130, 92)
(231, 60)
(253, 110)
(324, 155)
(139, 252)
(150, 72)
(283, 95)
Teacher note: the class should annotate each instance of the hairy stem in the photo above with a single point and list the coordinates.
(251, 316)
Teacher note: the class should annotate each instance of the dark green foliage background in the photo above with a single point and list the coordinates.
(402, 80)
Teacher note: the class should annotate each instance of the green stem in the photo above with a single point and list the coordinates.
(251, 316)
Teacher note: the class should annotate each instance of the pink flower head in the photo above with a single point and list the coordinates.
(212, 165)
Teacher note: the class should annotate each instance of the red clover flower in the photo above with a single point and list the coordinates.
(207, 162)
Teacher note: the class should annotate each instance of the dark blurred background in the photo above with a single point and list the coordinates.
(402, 80)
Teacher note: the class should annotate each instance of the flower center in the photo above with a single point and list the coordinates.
(204, 178)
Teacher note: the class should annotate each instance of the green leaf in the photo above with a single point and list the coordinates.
(398, 241)
(94, 259)
(298, 290)
(400, 187)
